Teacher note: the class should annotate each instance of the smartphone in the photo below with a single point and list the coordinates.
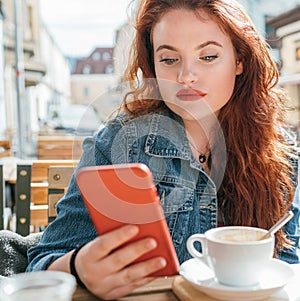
(121, 194)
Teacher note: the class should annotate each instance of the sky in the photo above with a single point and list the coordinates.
(78, 26)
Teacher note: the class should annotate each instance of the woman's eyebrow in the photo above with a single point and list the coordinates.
(165, 46)
(209, 43)
(169, 47)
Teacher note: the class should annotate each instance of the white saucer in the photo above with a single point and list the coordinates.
(276, 276)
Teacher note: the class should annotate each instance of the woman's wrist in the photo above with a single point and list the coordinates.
(73, 270)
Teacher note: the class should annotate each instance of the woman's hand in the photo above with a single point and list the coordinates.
(105, 267)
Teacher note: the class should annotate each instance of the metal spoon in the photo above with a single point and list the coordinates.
(278, 225)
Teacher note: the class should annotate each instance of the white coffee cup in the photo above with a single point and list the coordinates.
(41, 285)
(234, 253)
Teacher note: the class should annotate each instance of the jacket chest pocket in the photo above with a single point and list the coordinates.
(177, 203)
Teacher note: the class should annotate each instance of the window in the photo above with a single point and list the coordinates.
(109, 69)
(87, 69)
(86, 91)
(106, 56)
(28, 25)
(96, 56)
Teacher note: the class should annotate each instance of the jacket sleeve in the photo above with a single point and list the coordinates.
(292, 229)
(72, 226)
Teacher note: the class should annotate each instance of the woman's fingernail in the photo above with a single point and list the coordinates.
(151, 243)
(132, 230)
(162, 262)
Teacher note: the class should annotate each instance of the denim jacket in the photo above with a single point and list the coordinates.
(188, 195)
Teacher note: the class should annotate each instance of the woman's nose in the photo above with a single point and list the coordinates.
(187, 76)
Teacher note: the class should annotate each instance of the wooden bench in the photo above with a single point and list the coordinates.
(59, 147)
(32, 193)
(5, 148)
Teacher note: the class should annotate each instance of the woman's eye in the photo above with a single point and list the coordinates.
(208, 58)
(169, 61)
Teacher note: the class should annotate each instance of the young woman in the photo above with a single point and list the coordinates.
(203, 113)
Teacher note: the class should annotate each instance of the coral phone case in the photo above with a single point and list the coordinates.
(125, 194)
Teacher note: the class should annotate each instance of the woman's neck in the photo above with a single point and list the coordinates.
(199, 133)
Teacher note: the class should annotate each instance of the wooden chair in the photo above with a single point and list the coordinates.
(5, 148)
(2, 198)
(32, 194)
(5, 209)
(59, 147)
(58, 182)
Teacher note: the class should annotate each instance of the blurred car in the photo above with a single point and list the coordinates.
(81, 120)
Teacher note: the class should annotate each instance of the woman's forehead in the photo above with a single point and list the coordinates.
(183, 23)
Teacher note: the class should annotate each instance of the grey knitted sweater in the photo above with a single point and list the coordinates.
(13, 251)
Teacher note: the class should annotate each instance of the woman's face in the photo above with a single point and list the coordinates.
(195, 64)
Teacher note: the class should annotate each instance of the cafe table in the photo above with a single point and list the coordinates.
(177, 289)
(158, 290)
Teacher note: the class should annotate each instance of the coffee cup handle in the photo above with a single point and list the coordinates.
(191, 248)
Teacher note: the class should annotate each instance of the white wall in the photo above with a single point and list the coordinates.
(2, 92)
(54, 90)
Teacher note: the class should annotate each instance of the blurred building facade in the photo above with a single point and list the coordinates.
(49, 84)
(279, 22)
(100, 61)
(35, 76)
(259, 10)
(93, 76)
(286, 27)
(124, 38)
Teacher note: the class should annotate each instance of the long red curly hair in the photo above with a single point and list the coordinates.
(257, 188)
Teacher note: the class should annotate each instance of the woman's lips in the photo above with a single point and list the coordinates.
(190, 94)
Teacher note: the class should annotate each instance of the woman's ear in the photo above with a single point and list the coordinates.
(239, 67)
